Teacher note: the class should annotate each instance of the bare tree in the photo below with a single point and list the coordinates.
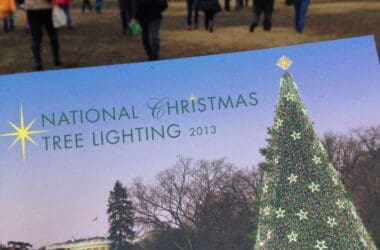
(357, 157)
(202, 204)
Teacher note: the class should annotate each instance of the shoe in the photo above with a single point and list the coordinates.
(251, 28)
(189, 28)
(39, 68)
(57, 62)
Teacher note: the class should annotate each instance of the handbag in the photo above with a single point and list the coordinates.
(59, 17)
(134, 29)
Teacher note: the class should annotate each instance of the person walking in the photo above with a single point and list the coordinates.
(98, 6)
(227, 5)
(39, 13)
(210, 8)
(125, 7)
(7, 8)
(66, 6)
(190, 10)
(148, 13)
(300, 9)
(86, 4)
(260, 6)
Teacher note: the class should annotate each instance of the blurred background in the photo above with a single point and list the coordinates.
(97, 38)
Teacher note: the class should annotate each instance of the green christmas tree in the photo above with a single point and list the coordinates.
(303, 204)
(120, 218)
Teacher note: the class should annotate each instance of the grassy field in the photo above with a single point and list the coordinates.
(97, 39)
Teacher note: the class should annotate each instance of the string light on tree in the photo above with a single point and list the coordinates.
(269, 234)
(265, 189)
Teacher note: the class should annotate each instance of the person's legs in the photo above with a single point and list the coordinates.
(302, 15)
(196, 16)
(66, 9)
(124, 21)
(52, 33)
(154, 38)
(255, 17)
(11, 23)
(268, 10)
(145, 38)
(207, 19)
(34, 18)
(86, 4)
(296, 14)
(98, 6)
(227, 6)
(189, 5)
(211, 22)
(5, 25)
(83, 6)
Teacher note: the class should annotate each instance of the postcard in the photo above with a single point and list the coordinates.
(190, 153)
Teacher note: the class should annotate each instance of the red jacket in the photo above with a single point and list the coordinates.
(63, 2)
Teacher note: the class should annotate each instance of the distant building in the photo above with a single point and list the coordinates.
(96, 243)
(14, 245)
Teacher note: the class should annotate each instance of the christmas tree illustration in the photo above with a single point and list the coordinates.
(303, 204)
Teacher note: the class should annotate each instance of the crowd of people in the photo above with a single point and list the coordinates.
(147, 14)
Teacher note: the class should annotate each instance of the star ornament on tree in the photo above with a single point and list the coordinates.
(292, 237)
(269, 235)
(321, 245)
(292, 178)
(280, 213)
(363, 241)
(314, 187)
(316, 160)
(289, 97)
(335, 180)
(296, 136)
(276, 160)
(340, 204)
(265, 189)
(331, 221)
(302, 215)
(266, 211)
(278, 123)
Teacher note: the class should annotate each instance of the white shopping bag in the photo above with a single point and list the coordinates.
(59, 17)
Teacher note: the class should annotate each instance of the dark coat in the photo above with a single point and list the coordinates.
(264, 5)
(146, 10)
(125, 5)
(210, 6)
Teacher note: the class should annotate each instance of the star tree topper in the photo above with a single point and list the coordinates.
(284, 62)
